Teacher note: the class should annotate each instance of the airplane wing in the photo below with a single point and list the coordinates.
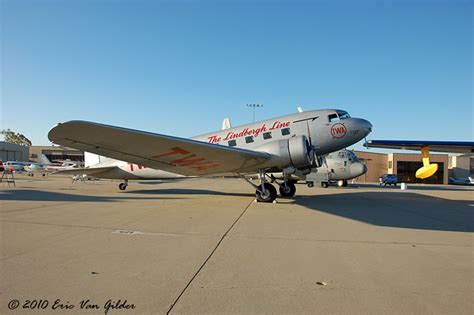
(436, 146)
(172, 154)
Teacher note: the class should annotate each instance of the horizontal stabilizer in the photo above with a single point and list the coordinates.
(88, 171)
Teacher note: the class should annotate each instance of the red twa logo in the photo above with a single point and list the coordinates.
(338, 130)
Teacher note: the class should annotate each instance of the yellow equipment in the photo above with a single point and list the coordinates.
(427, 169)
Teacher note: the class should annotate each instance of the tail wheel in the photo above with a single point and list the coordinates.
(288, 189)
(122, 186)
(269, 195)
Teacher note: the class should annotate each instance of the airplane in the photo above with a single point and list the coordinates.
(291, 144)
(16, 166)
(62, 164)
(428, 169)
(339, 167)
(47, 167)
(33, 168)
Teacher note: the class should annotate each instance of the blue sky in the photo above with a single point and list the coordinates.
(180, 67)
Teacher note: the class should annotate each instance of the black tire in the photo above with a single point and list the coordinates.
(269, 197)
(310, 184)
(122, 186)
(344, 183)
(287, 190)
(324, 184)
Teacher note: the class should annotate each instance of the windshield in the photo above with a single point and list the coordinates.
(353, 156)
(343, 114)
(342, 155)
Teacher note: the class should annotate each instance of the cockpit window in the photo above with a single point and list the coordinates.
(343, 115)
(342, 155)
(333, 118)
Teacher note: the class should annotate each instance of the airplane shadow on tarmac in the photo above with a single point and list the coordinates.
(38, 195)
(399, 210)
(181, 191)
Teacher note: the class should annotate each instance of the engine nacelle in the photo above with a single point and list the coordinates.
(296, 152)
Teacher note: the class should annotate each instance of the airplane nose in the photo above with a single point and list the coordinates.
(366, 126)
(358, 168)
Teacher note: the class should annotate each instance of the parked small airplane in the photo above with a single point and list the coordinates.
(16, 166)
(62, 164)
(47, 167)
(33, 168)
(338, 167)
(428, 169)
(289, 144)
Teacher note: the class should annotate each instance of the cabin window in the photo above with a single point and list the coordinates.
(285, 131)
(333, 118)
(249, 139)
(267, 135)
(232, 143)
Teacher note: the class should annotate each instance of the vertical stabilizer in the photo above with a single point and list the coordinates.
(91, 159)
(45, 160)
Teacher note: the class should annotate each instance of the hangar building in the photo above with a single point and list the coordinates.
(404, 165)
(55, 153)
(13, 152)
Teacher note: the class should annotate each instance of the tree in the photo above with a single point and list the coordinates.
(15, 138)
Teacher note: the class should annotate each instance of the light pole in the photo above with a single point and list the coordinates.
(254, 106)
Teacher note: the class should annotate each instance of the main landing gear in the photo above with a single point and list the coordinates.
(266, 192)
(124, 185)
(287, 189)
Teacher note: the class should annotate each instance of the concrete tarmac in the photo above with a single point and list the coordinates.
(203, 246)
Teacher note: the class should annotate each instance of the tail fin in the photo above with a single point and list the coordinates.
(45, 160)
(94, 159)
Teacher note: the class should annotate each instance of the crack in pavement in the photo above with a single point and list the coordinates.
(208, 258)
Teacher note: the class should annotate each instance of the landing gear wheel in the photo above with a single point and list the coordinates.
(324, 184)
(122, 186)
(270, 193)
(288, 190)
(310, 184)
